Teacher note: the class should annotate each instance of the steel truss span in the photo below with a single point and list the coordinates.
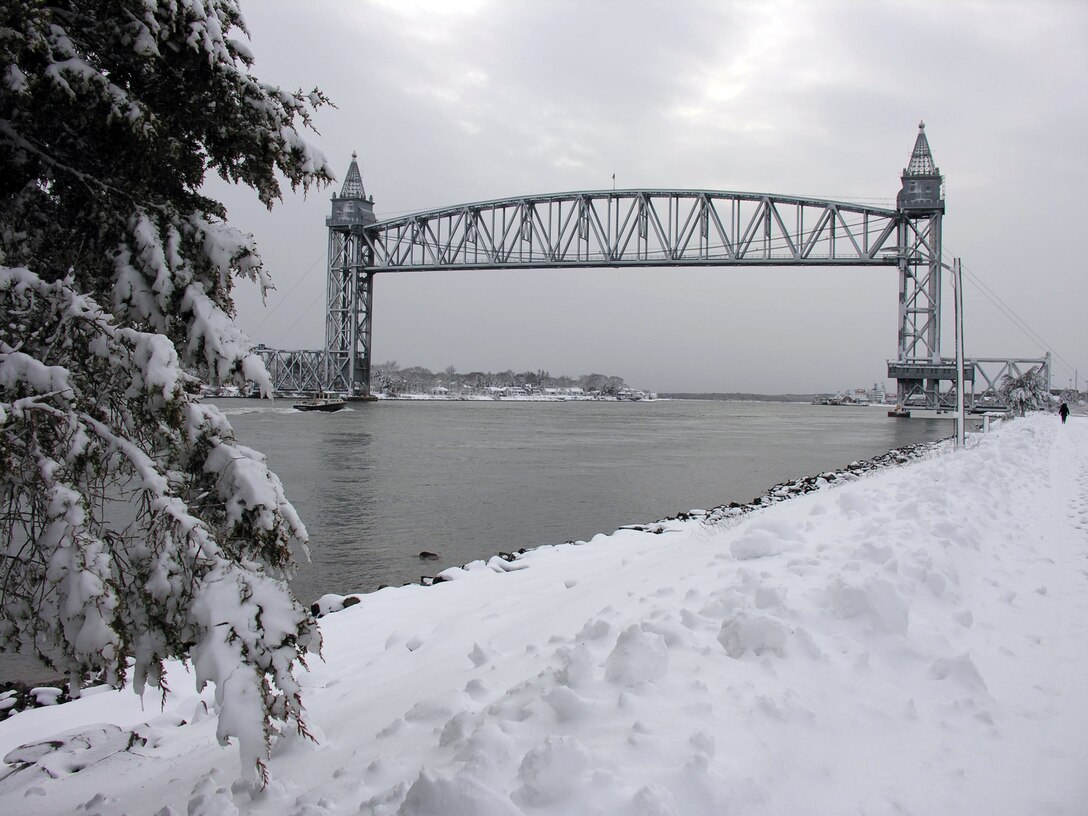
(294, 372)
(638, 228)
(641, 228)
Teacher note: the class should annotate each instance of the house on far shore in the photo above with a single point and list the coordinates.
(563, 393)
(440, 391)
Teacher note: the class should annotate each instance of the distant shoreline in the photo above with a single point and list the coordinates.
(714, 396)
(734, 396)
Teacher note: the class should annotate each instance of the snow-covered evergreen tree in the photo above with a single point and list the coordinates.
(1026, 392)
(133, 528)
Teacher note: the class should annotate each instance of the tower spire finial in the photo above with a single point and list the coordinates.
(352, 209)
(921, 159)
(353, 182)
(921, 191)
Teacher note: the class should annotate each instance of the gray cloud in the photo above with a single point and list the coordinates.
(455, 102)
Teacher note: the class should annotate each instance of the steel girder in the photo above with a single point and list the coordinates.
(347, 326)
(639, 228)
(993, 370)
(931, 394)
(984, 375)
(296, 371)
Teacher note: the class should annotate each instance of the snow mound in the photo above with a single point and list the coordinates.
(765, 537)
(639, 657)
(433, 795)
(753, 633)
(553, 771)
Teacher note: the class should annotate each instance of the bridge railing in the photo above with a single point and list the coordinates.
(637, 228)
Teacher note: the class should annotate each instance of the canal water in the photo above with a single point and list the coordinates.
(378, 483)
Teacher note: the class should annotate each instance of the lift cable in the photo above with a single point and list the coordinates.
(286, 295)
(1014, 318)
(304, 313)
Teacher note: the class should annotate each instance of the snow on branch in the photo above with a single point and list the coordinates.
(133, 526)
(133, 523)
(113, 119)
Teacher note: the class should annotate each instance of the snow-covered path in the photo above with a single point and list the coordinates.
(915, 642)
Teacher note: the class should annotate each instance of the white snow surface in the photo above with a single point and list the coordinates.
(914, 642)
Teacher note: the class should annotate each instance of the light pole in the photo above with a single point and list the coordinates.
(957, 280)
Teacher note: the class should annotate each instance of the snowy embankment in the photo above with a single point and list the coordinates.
(914, 642)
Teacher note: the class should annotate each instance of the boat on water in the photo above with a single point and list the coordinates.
(899, 412)
(322, 402)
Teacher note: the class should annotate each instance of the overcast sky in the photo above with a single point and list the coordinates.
(450, 102)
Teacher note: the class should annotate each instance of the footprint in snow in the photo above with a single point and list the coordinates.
(568, 706)
(961, 670)
(479, 656)
(594, 630)
(72, 751)
(476, 689)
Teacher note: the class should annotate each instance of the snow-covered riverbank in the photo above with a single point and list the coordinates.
(915, 641)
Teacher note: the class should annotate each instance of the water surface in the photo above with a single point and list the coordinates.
(380, 482)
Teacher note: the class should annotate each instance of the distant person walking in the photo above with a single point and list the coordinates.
(1063, 412)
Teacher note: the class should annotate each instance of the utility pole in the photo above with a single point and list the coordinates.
(957, 281)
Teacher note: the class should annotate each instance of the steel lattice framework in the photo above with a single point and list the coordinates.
(294, 371)
(350, 289)
(919, 254)
(629, 228)
(634, 228)
(347, 321)
(642, 228)
(623, 228)
(991, 372)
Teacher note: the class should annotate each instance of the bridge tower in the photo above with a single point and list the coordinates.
(350, 289)
(919, 368)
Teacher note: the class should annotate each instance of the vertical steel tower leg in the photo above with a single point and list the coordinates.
(920, 305)
(338, 320)
(933, 335)
(348, 327)
(350, 289)
(933, 305)
(920, 203)
(902, 249)
(364, 303)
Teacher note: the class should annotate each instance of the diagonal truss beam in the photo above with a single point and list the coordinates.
(618, 228)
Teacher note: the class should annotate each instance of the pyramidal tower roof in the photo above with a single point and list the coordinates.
(921, 160)
(353, 183)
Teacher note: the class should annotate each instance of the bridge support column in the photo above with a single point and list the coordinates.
(348, 325)
(919, 368)
(350, 289)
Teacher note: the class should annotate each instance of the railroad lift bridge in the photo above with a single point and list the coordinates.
(648, 228)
